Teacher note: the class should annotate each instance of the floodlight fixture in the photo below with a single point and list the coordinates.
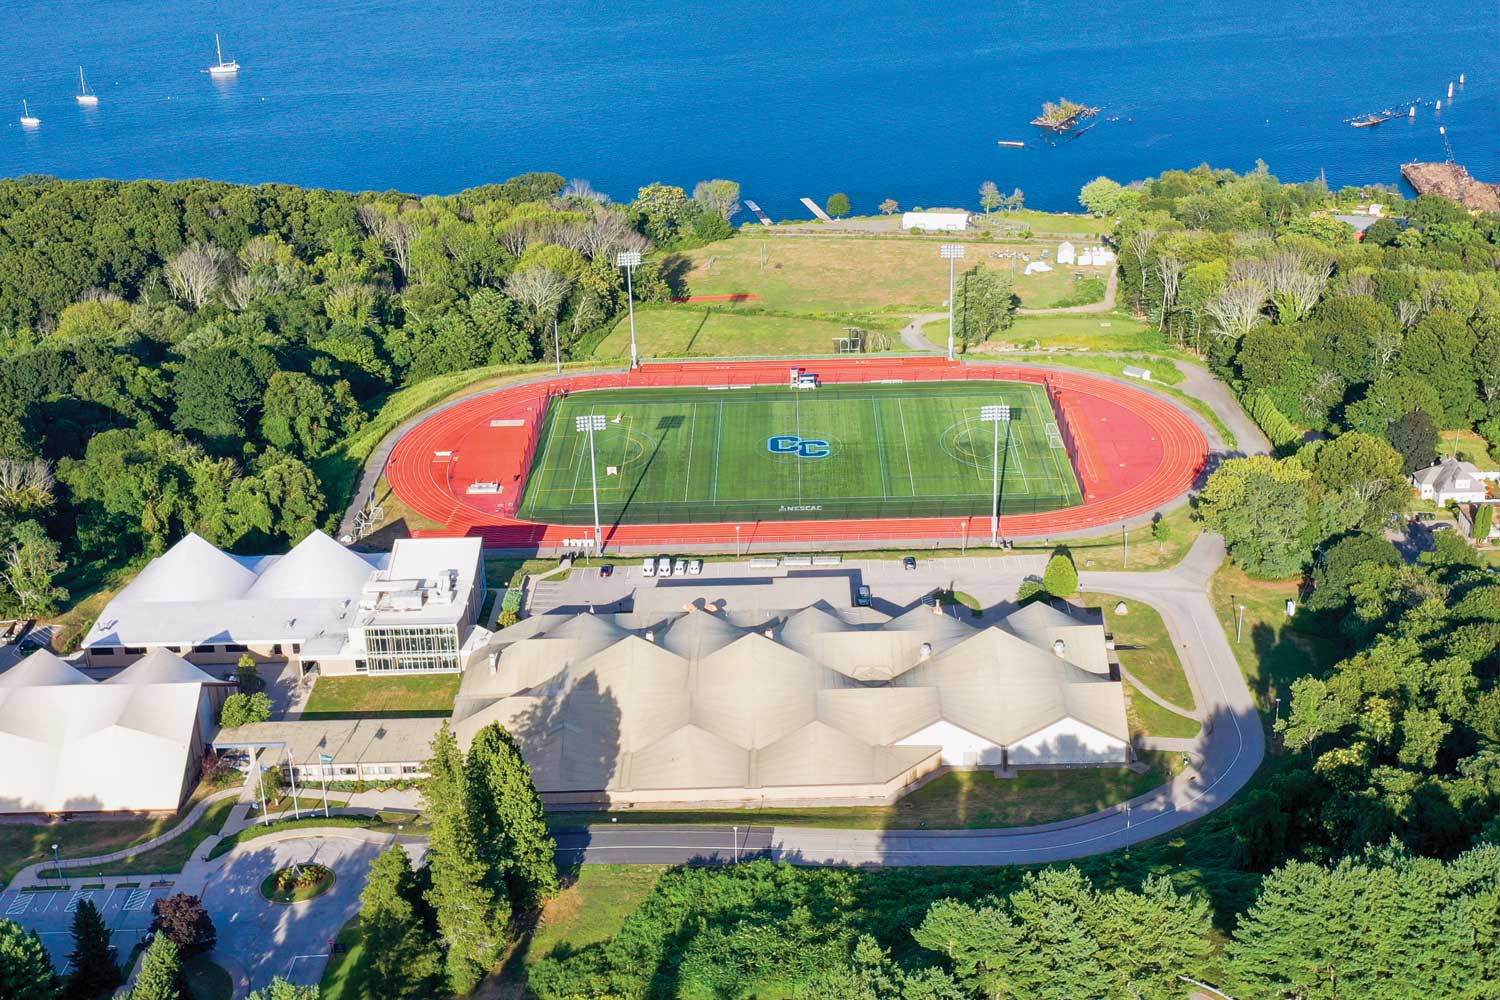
(628, 258)
(996, 414)
(951, 252)
(589, 423)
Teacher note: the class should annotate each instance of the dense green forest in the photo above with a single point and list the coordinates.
(182, 356)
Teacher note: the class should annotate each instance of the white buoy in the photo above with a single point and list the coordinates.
(1442, 130)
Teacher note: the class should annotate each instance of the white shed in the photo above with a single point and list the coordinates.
(1067, 253)
(945, 222)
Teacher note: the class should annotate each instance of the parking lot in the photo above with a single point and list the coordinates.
(126, 909)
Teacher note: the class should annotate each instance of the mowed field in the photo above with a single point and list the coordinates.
(721, 330)
(857, 451)
(854, 274)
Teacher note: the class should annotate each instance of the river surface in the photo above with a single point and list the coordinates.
(895, 99)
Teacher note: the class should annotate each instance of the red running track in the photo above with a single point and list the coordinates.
(1135, 452)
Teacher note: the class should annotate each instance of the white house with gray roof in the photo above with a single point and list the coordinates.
(1452, 481)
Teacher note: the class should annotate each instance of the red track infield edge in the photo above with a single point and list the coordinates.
(500, 428)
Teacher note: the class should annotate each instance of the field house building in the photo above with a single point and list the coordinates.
(707, 707)
(129, 743)
(320, 605)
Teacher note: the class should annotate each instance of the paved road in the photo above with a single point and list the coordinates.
(1225, 758)
(266, 939)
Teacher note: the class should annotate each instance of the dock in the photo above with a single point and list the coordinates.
(1453, 181)
(765, 219)
(812, 207)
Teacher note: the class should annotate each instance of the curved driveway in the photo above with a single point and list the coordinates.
(1225, 758)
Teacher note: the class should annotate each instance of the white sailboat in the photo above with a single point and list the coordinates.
(28, 120)
(222, 68)
(85, 97)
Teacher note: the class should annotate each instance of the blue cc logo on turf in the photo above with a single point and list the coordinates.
(790, 444)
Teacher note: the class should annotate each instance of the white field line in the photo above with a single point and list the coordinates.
(692, 436)
(910, 475)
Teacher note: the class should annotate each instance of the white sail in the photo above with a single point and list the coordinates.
(84, 97)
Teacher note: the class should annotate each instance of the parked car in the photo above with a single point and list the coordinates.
(695, 567)
(681, 568)
(606, 571)
(648, 567)
(664, 566)
(862, 596)
(910, 562)
(1441, 526)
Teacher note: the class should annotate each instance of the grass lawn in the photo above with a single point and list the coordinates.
(205, 980)
(1107, 552)
(843, 274)
(591, 908)
(954, 801)
(422, 695)
(24, 843)
(1273, 651)
(171, 856)
(1467, 445)
(348, 975)
(1061, 223)
(1115, 331)
(783, 454)
(1145, 649)
(1146, 716)
(723, 330)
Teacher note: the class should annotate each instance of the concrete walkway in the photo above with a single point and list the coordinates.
(1142, 687)
(31, 875)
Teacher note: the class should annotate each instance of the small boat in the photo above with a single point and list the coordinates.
(1369, 120)
(28, 120)
(85, 97)
(1010, 143)
(223, 68)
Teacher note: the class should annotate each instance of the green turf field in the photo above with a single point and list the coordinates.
(700, 454)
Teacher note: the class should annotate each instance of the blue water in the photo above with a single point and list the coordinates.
(879, 99)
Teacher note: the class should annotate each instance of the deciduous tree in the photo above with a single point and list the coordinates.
(838, 205)
(184, 919)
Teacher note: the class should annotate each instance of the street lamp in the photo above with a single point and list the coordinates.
(630, 260)
(950, 252)
(736, 845)
(594, 422)
(56, 861)
(996, 415)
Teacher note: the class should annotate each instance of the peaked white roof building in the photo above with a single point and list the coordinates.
(128, 744)
(321, 603)
(706, 707)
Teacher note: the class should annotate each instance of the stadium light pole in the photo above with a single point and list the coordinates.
(630, 260)
(589, 423)
(996, 415)
(951, 252)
